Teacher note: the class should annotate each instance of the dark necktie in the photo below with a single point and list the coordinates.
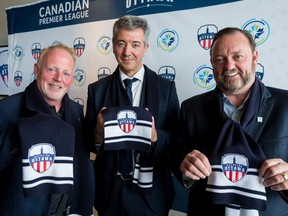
(125, 155)
(128, 85)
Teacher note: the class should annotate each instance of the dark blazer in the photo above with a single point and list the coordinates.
(201, 124)
(12, 200)
(160, 97)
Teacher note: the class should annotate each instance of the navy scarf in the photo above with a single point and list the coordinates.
(36, 109)
(236, 158)
(117, 96)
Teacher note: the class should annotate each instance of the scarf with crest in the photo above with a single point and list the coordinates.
(235, 161)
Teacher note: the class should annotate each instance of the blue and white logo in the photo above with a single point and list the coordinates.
(259, 29)
(80, 77)
(204, 78)
(167, 72)
(79, 46)
(103, 72)
(126, 120)
(36, 50)
(168, 40)
(205, 35)
(234, 166)
(104, 44)
(41, 157)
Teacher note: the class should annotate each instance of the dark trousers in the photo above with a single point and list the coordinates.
(127, 202)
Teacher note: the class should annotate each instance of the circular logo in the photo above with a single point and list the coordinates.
(168, 40)
(259, 29)
(80, 77)
(204, 78)
(104, 45)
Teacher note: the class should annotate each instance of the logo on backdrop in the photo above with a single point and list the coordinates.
(79, 46)
(234, 166)
(79, 101)
(204, 78)
(168, 40)
(205, 35)
(55, 42)
(41, 157)
(18, 78)
(4, 66)
(259, 71)
(167, 72)
(104, 44)
(103, 72)
(259, 29)
(32, 77)
(133, 5)
(17, 53)
(80, 77)
(126, 120)
(35, 50)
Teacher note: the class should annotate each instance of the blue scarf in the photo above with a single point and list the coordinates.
(236, 158)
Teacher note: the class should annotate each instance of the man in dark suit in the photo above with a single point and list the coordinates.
(116, 193)
(234, 158)
(44, 163)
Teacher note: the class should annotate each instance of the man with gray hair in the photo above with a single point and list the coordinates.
(131, 180)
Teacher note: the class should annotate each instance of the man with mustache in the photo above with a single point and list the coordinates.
(234, 138)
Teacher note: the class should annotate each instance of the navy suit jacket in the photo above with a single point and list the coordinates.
(12, 199)
(159, 95)
(201, 124)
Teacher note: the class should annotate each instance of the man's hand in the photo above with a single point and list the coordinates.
(196, 165)
(275, 174)
(99, 130)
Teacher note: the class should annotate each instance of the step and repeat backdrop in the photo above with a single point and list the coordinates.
(181, 36)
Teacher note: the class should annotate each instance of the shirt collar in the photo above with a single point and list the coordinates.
(139, 74)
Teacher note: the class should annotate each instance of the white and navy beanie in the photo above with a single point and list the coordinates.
(127, 128)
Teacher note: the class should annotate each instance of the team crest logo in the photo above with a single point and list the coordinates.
(259, 71)
(168, 40)
(103, 72)
(79, 46)
(104, 45)
(80, 77)
(18, 78)
(206, 35)
(234, 166)
(35, 50)
(204, 78)
(259, 29)
(4, 66)
(41, 157)
(126, 120)
(17, 53)
(167, 72)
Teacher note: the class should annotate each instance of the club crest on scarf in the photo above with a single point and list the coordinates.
(234, 166)
(41, 157)
(126, 120)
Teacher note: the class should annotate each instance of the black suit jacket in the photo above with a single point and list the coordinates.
(12, 199)
(201, 124)
(160, 97)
